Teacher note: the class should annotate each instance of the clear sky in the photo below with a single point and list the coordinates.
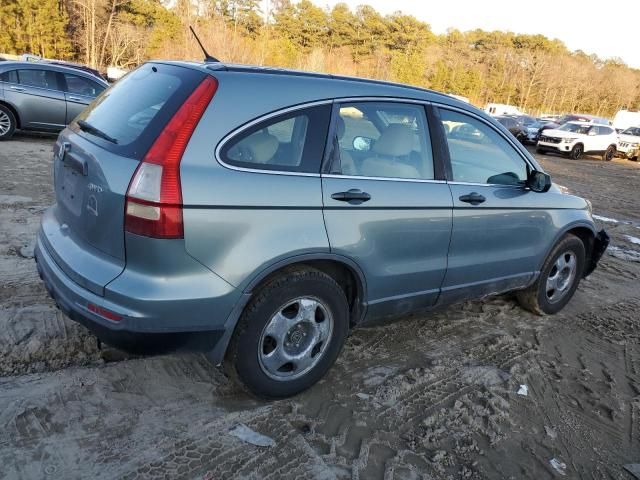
(609, 28)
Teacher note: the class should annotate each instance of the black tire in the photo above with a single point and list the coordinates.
(535, 298)
(576, 152)
(242, 361)
(609, 153)
(8, 123)
(541, 151)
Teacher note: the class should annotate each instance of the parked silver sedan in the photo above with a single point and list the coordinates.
(43, 96)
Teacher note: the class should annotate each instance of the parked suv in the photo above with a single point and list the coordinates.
(629, 143)
(577, 138)
(576, 117)
(259, 214)
(43, 96)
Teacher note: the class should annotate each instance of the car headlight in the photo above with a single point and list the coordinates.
(569, 140)
(635, 145)
(589, 206)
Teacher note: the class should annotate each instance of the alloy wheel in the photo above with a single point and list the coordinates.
(5, 123)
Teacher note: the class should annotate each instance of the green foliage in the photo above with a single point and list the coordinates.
(34, 26)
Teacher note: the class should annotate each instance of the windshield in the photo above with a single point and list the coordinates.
(635, 131)
(575, 128)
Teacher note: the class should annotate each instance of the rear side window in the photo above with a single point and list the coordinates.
(39, 78)
(11, 76)
(82, 86)
(135, 110)
(384, 139)
(293, 142)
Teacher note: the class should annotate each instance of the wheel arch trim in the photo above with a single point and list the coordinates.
(216, 355)
(583, 224)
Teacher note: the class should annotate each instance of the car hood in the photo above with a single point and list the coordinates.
(562, 134)
(629, 138)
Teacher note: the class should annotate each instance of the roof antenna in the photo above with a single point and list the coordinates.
(207, 58)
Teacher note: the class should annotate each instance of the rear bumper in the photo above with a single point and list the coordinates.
(200, 325)
(600, 244)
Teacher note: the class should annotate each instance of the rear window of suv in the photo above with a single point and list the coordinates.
(136, 108)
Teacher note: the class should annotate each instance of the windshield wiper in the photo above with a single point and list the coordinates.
(87, 127)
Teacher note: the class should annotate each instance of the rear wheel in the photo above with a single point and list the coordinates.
(289, 335)
(558, 280)
(7, 123)
(608, 155)
(576, 152)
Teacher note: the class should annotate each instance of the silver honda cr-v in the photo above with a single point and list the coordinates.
(260, 214)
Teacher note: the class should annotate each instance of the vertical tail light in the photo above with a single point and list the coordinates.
(154, 198)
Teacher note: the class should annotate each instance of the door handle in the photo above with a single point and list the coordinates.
(75, 99)
(17, 89)
(473, 198)
(353, 196)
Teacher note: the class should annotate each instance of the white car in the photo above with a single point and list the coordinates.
(577, 138)
(629, 143)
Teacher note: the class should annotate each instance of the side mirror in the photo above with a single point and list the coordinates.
(592, 133)
(362, 144)
(539, 182)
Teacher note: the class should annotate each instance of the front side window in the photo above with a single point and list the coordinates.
(291, 142)
(82, 86)
(383, 139)
(479, 154)
(38, 78)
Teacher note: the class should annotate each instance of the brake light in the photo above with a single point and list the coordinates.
(154, 198)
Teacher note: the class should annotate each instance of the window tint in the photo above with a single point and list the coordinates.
(605, 130)
(135, 109)
(383, 139)
(479, 154)
(11, 76)
(39, 78)
(291, 142)
(82, 86)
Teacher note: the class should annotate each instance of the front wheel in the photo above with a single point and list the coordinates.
(576, 152)
(609, 153)
(558, 280)
(289, 335)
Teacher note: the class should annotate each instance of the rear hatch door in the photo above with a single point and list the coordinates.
(94, 161)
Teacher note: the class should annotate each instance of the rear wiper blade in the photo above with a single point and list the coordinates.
(87, 127)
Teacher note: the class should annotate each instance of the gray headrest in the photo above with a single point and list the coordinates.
(263, 146)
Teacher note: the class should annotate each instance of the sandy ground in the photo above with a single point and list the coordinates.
(429, 398)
